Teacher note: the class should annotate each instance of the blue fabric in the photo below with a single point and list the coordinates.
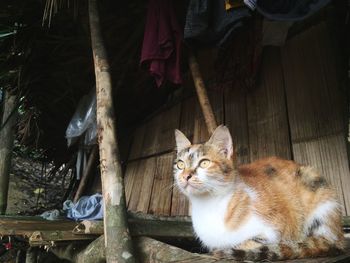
(289, 10)
(208, 23)
(87, 208)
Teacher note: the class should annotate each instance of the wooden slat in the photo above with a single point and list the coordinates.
(329, 156)
(137, 143)
(156, 135)
(187, 117)
(142, 185)
(267, 115)
(25, 226)
(162, 188)
(315, 106)
(200, 129)
(314, 99)
(129, 178)
(237, 122)
(179, 202)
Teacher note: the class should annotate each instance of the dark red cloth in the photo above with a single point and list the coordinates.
(162, 40)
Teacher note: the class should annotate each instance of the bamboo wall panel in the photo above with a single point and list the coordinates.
(140, 191)
(157, 133)
(267, 115)
(162, 187)
(313, 92)
(237, 121)
(328, 155)
(136, 145)
(201, 133)
(315, 106)
(179, 202)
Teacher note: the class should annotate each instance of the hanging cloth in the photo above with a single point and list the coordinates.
(208, 23)
(161, 48)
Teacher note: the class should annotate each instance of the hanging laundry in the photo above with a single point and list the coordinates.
(161, 48)
(288, 10)
(208, 23)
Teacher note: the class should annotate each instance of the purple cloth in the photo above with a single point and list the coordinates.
(162, 43)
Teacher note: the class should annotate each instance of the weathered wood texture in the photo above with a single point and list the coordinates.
(156, 135)
(316, 106)
(202, 95)
(117, 238)
(162, 186)
(8, 122)
(267, 115)
(237, 121)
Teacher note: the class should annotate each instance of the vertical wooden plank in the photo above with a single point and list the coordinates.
(237, 121)
(313, 94)
(315, 105)
(142, 185)
(129, 178)
(160, 131)
(160, 203)
(156, 135)
(201, 133)
(179, 202)
(329, 156)
(137, 142)
(267, 114)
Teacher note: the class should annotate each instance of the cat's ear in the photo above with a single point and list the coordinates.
(181, 141)
(222, 139)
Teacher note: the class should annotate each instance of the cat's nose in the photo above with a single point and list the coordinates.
(188, 177)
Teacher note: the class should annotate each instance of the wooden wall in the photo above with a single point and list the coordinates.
(295, 112)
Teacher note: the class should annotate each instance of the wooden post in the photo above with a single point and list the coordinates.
(6, 146)
(118, 242)
(202, 94)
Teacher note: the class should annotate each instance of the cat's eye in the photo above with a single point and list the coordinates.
(180, 165)
(204, 163)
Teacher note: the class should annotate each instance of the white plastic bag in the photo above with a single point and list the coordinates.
(83, 121)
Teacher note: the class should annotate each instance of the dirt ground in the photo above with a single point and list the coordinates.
(31, 191)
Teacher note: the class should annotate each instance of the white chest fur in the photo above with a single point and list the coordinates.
(208, 217)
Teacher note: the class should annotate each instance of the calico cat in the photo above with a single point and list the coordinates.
(270, 209)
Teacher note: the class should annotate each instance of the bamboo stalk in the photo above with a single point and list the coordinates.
(144, 226)
(118, 242)
(87, 173)
(6, 146)
(204, 102)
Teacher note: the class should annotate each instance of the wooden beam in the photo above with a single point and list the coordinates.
(49, 238)
(6, 145)
(117, 238)
(145, 225)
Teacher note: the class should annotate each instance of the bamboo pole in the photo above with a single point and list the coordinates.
(204, 102)
(87, 173)
(202, 94)
(6, 146)
(118, 242)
